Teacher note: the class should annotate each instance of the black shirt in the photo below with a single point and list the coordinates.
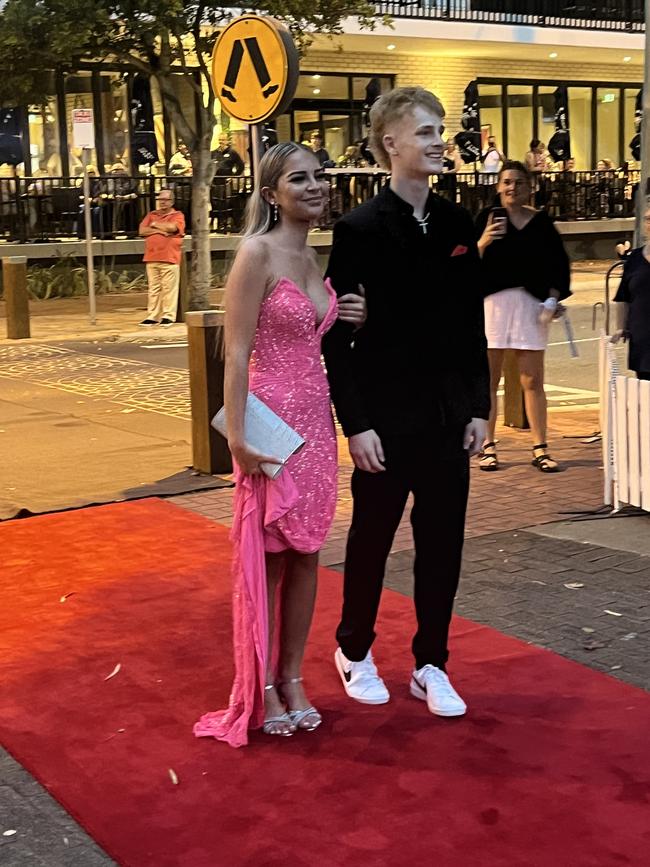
(634, 290)
(420, 359)
(533, 257)
(323, 157)
(228, 161)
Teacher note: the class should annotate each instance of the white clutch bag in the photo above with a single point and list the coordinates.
(264, 431)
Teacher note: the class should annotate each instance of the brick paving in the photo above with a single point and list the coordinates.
(516, 496)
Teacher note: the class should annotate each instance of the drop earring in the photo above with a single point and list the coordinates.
(276, 212)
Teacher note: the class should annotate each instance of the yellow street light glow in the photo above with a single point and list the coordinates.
(627, 58)
(316, 77)
(553, 54)
(316, 91)
(391, 47)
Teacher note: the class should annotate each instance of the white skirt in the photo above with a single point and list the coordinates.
(512, 321)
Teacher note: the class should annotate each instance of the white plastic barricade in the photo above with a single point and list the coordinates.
(625, 427)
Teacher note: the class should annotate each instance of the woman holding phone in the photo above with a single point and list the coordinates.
(527, 274)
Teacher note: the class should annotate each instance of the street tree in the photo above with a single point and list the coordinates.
(168, 40)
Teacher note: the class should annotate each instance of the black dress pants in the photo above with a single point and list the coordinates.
(435, 468)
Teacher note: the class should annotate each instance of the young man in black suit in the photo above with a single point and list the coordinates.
(411, 390)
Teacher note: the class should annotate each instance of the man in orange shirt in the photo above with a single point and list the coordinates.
(163, 231)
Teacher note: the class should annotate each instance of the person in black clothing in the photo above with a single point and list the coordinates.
(228, 161)
(526, 273)
(411, 391)
(633, 298)
(323, 157)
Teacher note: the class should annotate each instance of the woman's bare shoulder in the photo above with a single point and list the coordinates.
(256, 249)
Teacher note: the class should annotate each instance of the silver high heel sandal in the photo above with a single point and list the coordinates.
(308, 719)
(275, 725)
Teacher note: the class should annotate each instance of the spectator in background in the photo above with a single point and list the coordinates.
(351, 159)
(95, 191)
(493, 157)
(316, 144)
(633, 305)
(536, 157)
(180, 163)
(525, 274)
(227, 160)
(451, 164)
(163, 231)
(604, 166)
(119, 195)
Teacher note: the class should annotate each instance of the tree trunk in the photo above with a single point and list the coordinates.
(201, 268)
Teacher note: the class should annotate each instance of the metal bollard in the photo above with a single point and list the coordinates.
(210, 452)
(514, 410)
(14, 278)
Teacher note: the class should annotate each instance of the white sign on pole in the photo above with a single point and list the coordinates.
(83, 128)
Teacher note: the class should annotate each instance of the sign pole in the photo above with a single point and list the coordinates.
(90, 263)
(642, 193)
(255, 131)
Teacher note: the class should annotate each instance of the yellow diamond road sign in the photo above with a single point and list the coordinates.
(255, 68)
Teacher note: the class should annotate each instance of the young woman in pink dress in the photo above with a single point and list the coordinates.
(277, 310)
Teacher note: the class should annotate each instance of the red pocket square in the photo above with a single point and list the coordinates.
(459, 250)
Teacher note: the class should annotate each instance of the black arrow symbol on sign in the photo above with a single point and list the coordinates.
(259, 65)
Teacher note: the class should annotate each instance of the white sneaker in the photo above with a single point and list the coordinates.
(432, 685)
(361, 680)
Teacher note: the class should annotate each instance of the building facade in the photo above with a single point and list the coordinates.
(439, 44)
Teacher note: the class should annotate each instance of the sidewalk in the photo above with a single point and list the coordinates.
(67, 319)
(118, 317)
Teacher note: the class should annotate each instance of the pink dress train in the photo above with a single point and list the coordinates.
(293, 511)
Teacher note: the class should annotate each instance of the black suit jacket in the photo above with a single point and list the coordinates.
(421, 357)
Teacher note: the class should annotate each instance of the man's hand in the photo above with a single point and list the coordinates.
(366, 452)
(352, 308)
(474, 436)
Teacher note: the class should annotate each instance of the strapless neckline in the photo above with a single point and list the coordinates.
(287, 281)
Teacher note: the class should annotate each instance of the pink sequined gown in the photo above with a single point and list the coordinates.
(293, 511)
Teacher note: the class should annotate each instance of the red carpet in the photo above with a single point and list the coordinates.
(549, 768)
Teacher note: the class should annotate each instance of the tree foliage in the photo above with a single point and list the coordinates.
(163, 39)
(156, 37)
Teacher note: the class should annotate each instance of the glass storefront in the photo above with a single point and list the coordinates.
(78, 93)
(601, 117)
(580, 123)
(490, 96)
(519, 99)
(607, 125)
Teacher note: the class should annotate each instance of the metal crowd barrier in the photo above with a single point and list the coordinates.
(40, 209)
(50, 209)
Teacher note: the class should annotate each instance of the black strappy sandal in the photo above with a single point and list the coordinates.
(544, 463)
(488, 462)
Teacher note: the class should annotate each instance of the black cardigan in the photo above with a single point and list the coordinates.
(421, 358)
(533, 257)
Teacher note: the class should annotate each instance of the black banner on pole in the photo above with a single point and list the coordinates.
(11, 142)
(469, 138)
(559, 146)
(144, 146)
(635, 144)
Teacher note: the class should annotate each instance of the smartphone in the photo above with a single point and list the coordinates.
(500, 215)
